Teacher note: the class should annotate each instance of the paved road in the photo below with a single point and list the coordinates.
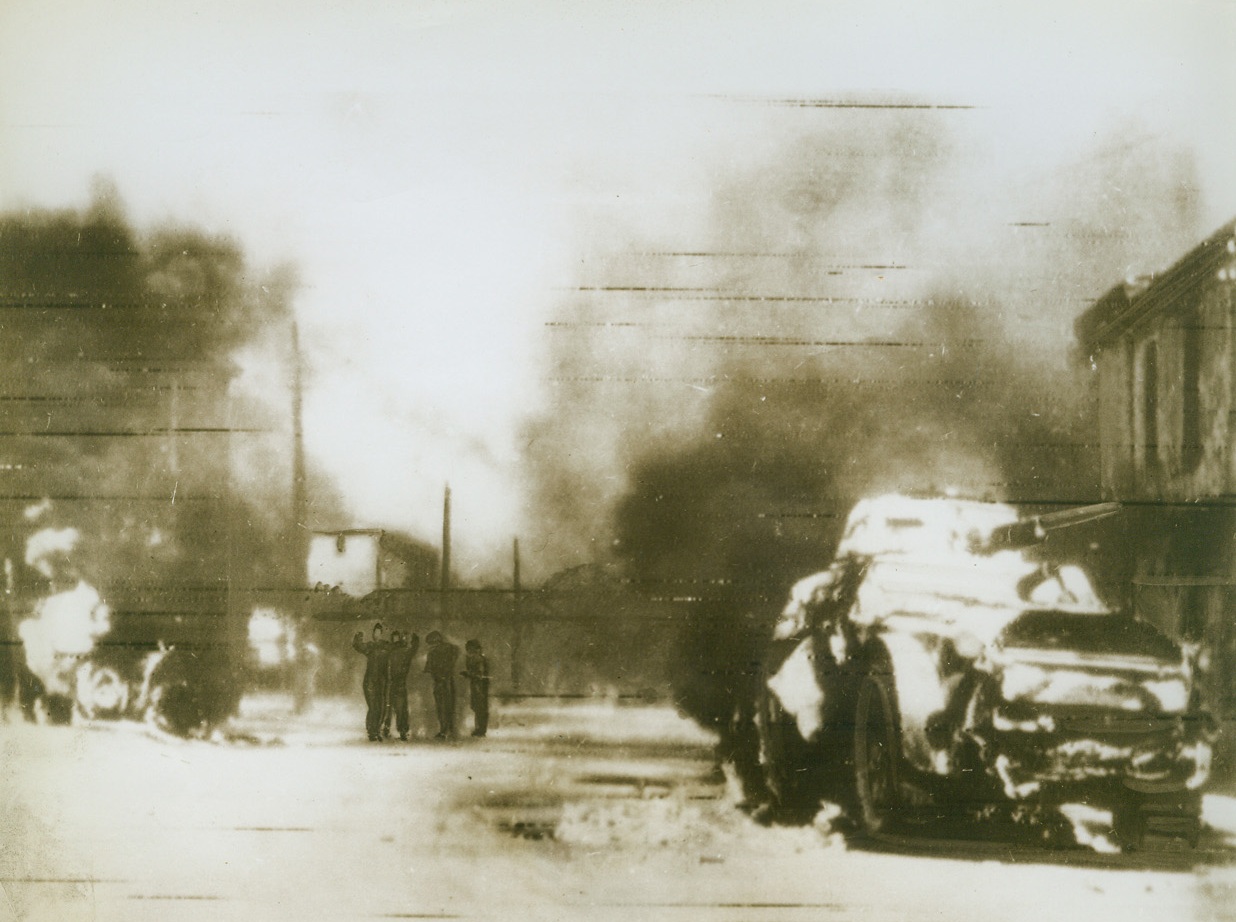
(566, 813)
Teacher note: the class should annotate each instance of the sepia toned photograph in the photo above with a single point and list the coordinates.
(617, 461)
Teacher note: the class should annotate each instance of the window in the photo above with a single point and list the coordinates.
(1129, 404)
(1150, 405)
(1191, 391)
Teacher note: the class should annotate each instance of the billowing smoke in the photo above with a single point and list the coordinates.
(117, 362)
(854, 318)
(64, 625)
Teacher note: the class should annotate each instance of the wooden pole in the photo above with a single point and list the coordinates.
(235, 626)
(13, 649)
(300, 505)
(517, 626)
(444, 604)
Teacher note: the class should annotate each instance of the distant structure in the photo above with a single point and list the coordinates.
(1164, 347)
(360, 561)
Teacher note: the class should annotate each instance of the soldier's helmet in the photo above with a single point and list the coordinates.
(435, 637)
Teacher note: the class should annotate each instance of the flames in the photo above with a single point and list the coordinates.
(183, 692)
(842, 322)
(62, 633)
(162, 322)
(65, 624)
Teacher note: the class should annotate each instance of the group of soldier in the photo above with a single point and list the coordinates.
(387, 664)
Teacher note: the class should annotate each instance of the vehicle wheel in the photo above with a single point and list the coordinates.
(101, 692)
(785, 759)
(877, 754)
(1128, 825)
(59, 709)
(1175, 816)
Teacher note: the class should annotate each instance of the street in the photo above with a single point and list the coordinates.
(568, 811)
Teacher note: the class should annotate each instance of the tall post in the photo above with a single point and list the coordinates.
(173, 428)
(299, 545)
(234, 627)
(444, 597)
(12, 650)
(517, 625)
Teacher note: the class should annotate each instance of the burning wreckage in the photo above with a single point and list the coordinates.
(184, 692)
(936, 668)
(64, 670)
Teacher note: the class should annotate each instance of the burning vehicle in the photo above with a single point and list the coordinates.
(68, 669)
(936, 667)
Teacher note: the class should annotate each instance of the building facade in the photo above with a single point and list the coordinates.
(362, 560)
(1164, 351)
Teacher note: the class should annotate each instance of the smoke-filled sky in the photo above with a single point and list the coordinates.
(473, 193)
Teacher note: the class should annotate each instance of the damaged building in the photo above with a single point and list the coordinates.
(359, 561)
(1163, 348)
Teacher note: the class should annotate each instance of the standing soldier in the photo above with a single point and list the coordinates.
(8, 676)
(440, 664)
(476, 671)
(385, 728)
(377, 666)
(402, 650)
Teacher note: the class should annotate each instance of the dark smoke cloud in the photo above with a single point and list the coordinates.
(117, 353)
(758, 496)
(856, 320)
(100, 294)
(855, 317)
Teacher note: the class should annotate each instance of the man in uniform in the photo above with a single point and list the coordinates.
(440, 664)
(403, 648)
(476, 671)
(377, 667)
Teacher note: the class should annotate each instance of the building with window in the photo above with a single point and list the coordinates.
(360, 561)
(1164, 351)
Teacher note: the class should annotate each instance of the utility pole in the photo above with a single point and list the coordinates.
(444, 603)
(298, 540)
(13, 650)
(173, 428)
(300, 504)
(235, 627)
(517, 625)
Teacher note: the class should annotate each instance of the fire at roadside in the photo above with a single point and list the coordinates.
(825, 343)
(139, 485)
(937, 669)
(60, 670)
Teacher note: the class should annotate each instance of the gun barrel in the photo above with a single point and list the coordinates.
(1027, 532)
(1066, 518)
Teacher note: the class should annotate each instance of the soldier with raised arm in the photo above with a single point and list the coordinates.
(403, 648)
(377, 669)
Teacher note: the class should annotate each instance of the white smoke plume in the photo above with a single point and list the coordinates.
(62, 633)
(66, 624)
(272, 638)
(47, 548)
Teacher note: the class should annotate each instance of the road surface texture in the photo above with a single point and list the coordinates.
(565, 812)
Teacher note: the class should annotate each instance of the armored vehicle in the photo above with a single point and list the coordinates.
(937, 666)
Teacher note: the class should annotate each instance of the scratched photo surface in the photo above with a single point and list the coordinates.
(524, 460)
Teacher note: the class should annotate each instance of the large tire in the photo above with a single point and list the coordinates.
(877, 755)
(101, 692)
(1178, 815)
(791, 778)
(1128, 824)
(59, 709)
